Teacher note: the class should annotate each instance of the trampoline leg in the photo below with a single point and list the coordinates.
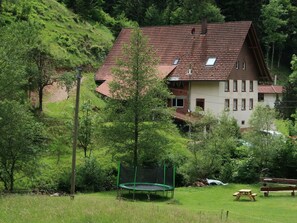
(148, 196)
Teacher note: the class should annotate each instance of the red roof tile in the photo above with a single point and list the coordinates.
(163, 72)
(270, 89)
(223, 41)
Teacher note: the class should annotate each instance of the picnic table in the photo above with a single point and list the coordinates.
(245, 192)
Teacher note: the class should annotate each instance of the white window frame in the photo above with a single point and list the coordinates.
(175, 100)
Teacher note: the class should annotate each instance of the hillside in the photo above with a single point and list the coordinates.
(69, 38)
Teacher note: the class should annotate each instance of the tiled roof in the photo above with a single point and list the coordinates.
(270, 89)
(163, 72)
(184, 42)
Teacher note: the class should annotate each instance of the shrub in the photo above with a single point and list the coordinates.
(89, 176)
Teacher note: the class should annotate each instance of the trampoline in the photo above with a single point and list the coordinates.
(147, 180)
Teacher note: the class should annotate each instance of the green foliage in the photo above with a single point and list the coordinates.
(262, 118)
(137, 110)
(274, 18)
(69, 39)
(213, 145)
(90, 176)
(21, 141)
(288, 105)
(15, 41)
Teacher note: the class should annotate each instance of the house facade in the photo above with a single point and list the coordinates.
(269, 94)
(209, 67)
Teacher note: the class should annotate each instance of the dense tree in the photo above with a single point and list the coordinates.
(213, 144)
(263, 146)
(21, 140)
(16, 40)
(194, 11)
(288, 104)
(274, 18)
(291, 45)
(238, 10)
(137, 111)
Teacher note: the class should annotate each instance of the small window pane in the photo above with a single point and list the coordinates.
(235, 85)
(234, 104)
(211, 61)
(243, 105)
(227, 104)
(237, 65)
(200, 102)
(226, 86)
(251, 86)
(251, 104)
(178, 102)
(243, 86)
(176, 61)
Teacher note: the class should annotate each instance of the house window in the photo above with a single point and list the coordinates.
(200, 102)
(251, 86)
(243, 104)
(227, 104)
(234, 104)
(260, 97)
(227, 86)
(235, 85)
(175, 62)
(237, 65)
(178, 102)
(251, 104)
(176, 84)
(243, 86)
(211, 61)
(243, 65)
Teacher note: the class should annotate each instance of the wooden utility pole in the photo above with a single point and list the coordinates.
(72, 192)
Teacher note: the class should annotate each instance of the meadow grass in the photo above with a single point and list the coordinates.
(206, 204)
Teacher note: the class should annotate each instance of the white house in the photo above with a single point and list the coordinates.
(216, 66)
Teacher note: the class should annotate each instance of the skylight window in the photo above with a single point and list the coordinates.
(211, 61)
(176, 61)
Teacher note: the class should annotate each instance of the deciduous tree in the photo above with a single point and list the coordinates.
(21, 140)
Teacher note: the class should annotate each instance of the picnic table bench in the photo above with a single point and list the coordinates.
(245, 192)
(278, 184)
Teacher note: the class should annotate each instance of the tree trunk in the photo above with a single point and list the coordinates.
(267, 55)
(272, 55)
(279, 57)
(40, 95)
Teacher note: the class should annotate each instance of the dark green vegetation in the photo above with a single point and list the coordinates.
(206, 204)
(44, 41)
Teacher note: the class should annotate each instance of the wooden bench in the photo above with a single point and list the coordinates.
(278, 184)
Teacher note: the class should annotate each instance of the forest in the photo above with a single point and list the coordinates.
(44, 42)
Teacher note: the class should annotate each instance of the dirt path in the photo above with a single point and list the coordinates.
(55, 93)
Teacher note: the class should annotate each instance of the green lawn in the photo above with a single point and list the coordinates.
(207, 204)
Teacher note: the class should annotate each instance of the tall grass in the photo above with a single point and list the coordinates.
(204, 205)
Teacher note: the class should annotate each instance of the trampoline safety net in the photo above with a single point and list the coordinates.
(156, 175)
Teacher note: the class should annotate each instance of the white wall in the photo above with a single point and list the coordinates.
(214, 94)
(269, 99)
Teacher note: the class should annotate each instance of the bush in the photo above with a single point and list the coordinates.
(90, 177)
(247, 171)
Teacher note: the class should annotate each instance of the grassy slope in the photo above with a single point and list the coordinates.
(208, 204)
(68, 38)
